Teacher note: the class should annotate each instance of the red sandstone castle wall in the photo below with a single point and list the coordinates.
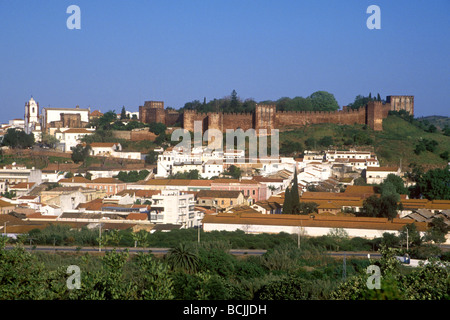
(266, 116)
(371, 116)
(173, 117)
(237, 120)
(189, 117)
(302, 118)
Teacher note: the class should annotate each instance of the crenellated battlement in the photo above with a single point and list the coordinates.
(267, 117)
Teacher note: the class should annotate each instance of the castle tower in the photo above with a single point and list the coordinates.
(152, 111)
(374, 115)
(31, 115)
(401, 103)
(264, 117)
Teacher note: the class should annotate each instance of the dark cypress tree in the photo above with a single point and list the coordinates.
(123, 114)
(295, 198)
(287, 204)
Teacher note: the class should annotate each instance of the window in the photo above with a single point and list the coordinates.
(254, 192)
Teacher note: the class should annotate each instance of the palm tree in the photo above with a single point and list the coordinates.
(184, 258)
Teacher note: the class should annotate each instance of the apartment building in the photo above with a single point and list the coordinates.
(12, 174)
(174, 207)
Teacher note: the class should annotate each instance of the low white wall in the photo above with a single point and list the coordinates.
(308, 231)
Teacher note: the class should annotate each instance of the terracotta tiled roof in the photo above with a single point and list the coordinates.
(74, 180)
(328, 205)
(140, 193)
(96, 113)
(28, 197)
(137, 216)
(94, 205)
(306, 221)
(105, 180)
(218, 194)
(360, 189)
(23, 185)
(77, 130)
(6, 204)
(386, 169)
(38, 215)
(205, 183)
(103, 144)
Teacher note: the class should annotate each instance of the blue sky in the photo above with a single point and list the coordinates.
(128, 52)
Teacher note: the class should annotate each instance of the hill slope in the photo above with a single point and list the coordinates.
(395, 144)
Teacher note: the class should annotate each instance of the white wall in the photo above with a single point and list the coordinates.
(307, 231)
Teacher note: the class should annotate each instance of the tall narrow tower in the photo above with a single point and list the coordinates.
(31, 115)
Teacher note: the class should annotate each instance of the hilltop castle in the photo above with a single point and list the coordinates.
(267, 117)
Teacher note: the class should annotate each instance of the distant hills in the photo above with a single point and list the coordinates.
(439, 121)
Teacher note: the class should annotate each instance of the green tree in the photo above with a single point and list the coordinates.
(392, 180)
(151, 157)
(288, 288)
(16, 138)
(233, 171)
(287, 204)
(234, 102)
(437, 231)
(409, 235)
(80, 153)
(384, 206)
(326, 141)
(22, 277)
(104, 123)
(183, 257)
(446, 130)
(323, 101)
(123, 113)
(433, 185)
(445, 156)
(69, 174)
(157, 128)
(49, 140)
(390, 240)
(359, 102)
(155, 281)
(307, 207)
(108, 283)
(141, 238)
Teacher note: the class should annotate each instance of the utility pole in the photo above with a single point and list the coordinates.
(407, 239)
(100, 237)
(298, 234)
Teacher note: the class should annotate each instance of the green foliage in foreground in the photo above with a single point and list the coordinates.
(206, 271)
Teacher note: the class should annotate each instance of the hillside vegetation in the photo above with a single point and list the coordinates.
(439, 121)
(396, 143)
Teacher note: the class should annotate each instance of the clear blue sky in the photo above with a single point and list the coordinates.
(128, 52)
